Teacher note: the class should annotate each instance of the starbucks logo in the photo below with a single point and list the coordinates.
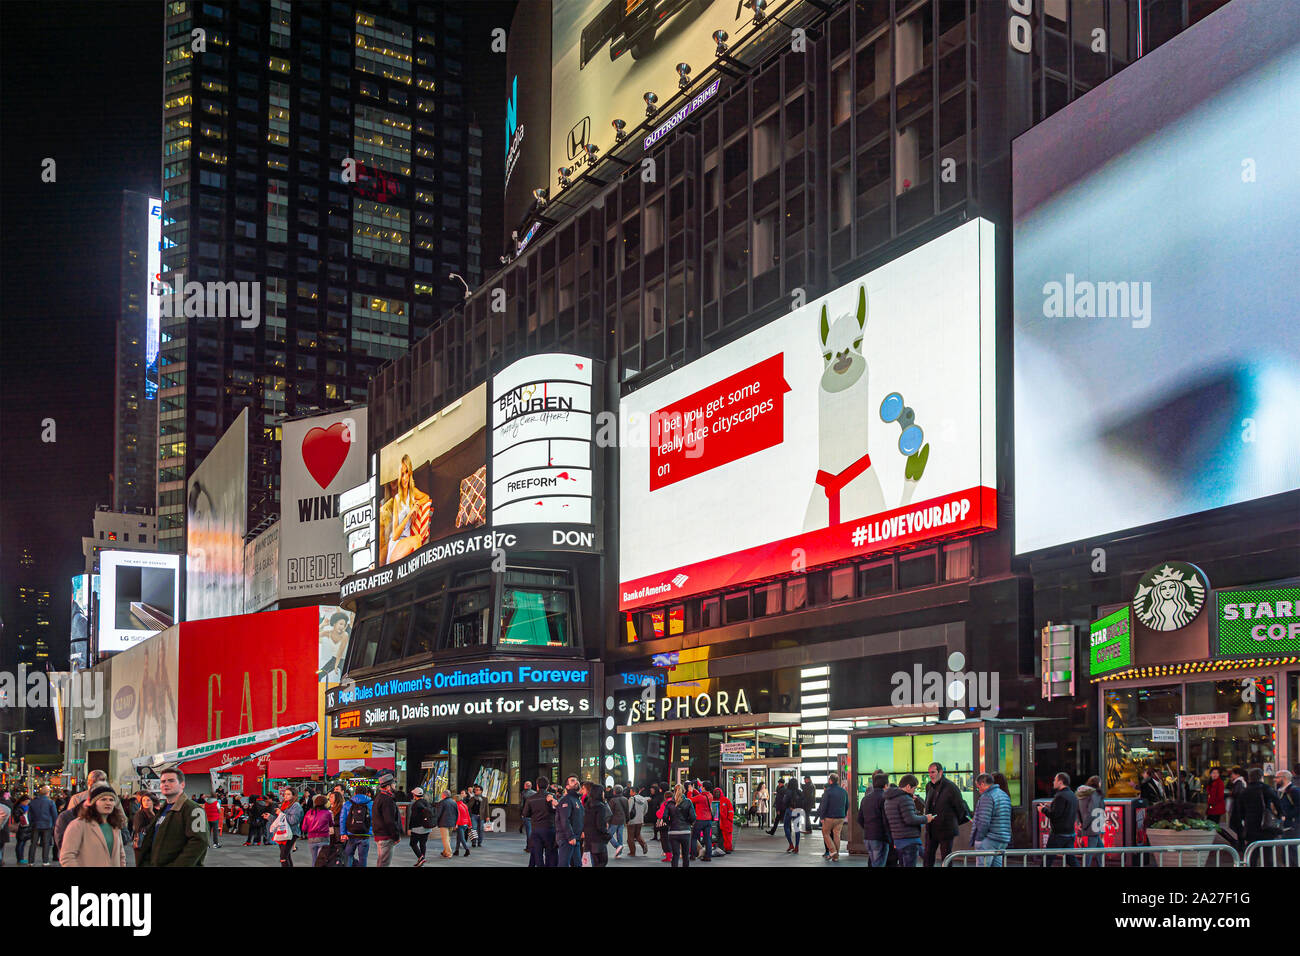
(1170, 596)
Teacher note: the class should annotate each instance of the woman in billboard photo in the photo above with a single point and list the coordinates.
(334, 634)
(404, 518)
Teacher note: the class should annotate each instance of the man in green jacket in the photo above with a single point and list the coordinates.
(178, 835)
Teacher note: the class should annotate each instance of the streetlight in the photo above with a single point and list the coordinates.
(9, 747)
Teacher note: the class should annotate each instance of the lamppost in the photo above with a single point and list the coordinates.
(9, 747)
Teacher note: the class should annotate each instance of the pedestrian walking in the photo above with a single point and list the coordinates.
(619, 809)
(947, 810)
(596, 814)
(832, 811)
(419, 823)
(992, 827)
(538, 815)
(22, 826)
(1092, 818)
(1236, 807)
(794, 811)
(1215, 798)
(1288, 798)
(387, 824)
(177, 835)
(287, 826)
(1152, 789)
(1063, 813)
(42, 814)
(462, 824)
(679, 821)
(525, 821)
(316, 826)
(212, 813)
(568, 824)
(778, 806)
(809, 793)
(475, 803)
(905, 820)
(96, 838)
(1261, 812)
(447, 816)
(638, 812)
(658, 797)
(358, 816)
(871, 817)
(142, 819)
(726, 819)
(702, 829)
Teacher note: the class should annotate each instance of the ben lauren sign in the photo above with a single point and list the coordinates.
(531, 675)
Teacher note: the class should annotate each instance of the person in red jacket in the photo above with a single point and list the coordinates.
(726, 816)
(212, 811)
(233, 812)
(702, 830)
(462, 824)
(1215, 805)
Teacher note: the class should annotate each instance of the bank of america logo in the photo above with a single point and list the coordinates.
(680, 580)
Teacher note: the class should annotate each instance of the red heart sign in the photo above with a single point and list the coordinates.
(324, 450)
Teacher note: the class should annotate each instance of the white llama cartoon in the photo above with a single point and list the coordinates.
(847, 486)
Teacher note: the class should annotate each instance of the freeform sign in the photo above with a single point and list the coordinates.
(860, 423)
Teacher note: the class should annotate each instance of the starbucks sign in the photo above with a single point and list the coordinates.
(1170, 596)
(1258, 621)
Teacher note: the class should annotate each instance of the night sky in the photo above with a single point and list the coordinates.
(82, 84)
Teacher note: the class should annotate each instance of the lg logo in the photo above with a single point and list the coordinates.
(1019, 33)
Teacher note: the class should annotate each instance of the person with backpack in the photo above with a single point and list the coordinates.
(387, 826)
(419, 823)
(948, 811)
(637, 814)
(356, 816)
(43, 813)
(871, 817)
(1092, 819)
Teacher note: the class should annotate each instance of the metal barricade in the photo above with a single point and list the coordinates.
(1273, 853)
(1193, 855)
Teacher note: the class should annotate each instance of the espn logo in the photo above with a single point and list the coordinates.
(350, 720)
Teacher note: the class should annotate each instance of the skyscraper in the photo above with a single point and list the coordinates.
(315, 173)
(135, 386)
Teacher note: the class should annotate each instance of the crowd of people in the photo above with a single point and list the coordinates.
(587, 824)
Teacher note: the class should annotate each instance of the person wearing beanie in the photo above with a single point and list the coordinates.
(419, 823)
(387, 821)
(95, 837)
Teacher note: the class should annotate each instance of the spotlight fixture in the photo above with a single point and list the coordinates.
(564, 172)
(592, 149)
(541, 196)
(620, 130)
(683, 74)
(720, 38)
(651, 104)
(760, 10)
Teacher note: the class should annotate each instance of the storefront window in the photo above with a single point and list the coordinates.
(471, 611)
(774, 742)
(548, 752)
(676, 619)
(913, 753)
(1130, 752)
(1243, 699)
(1293, 695)
(1144, 706)
(1010, 765)
(1243, 745)
(537, 618)
(711, 612)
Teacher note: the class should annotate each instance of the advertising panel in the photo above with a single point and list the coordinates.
(1111, 643)
(1258, 621)
(80, 629)
(140, 595)
(320, 458)
(153, 298)
(542, 421)
(607, 54)
(1157, 356)
(528, 110)
(860, 423)
(144, 710)
(433, 480)
(254, 672)
(216, 519)
(357, 512)
(262, 570)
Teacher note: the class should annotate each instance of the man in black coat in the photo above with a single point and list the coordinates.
(942, 800)
(539, 818)
(778, 806)
(568, 824)
(871, 817)
(1062, 812)
(809, 802)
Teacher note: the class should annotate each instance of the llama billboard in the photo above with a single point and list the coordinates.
(860, 423)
